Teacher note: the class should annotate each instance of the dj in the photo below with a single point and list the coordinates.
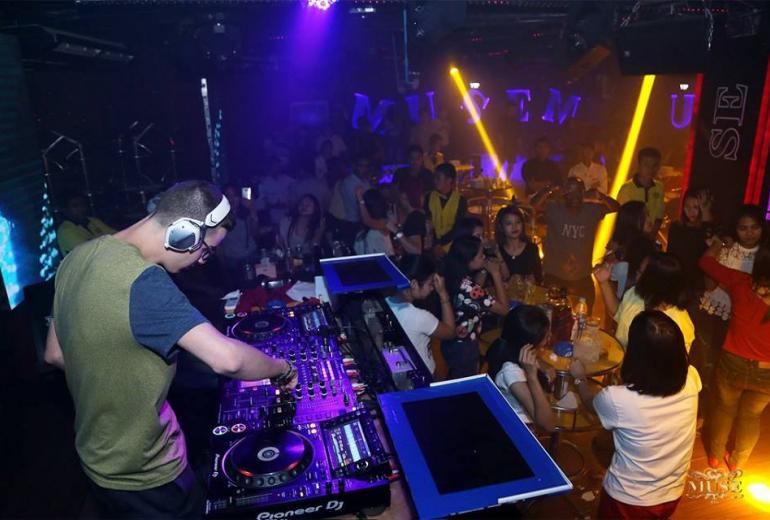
(118, 319)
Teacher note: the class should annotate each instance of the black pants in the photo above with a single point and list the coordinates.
(180, 498)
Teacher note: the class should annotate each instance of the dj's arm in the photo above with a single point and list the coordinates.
(53, 354)
(230, 357)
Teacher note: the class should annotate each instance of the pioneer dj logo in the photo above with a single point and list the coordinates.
(215, 469)
(332, 506)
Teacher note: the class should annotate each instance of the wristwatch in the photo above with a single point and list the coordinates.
(399, 235)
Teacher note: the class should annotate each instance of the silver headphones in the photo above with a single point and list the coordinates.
(187, 234)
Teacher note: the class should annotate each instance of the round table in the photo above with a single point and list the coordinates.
(578, 418)
(605, 364)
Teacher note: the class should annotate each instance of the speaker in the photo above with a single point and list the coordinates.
(670, 46)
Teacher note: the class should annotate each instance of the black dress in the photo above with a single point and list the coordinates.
(688, 245)
(526, 263)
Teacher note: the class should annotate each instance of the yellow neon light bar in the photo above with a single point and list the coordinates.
(460, 84)
(621, 176)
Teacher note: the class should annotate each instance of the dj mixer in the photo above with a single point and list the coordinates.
(313, 451)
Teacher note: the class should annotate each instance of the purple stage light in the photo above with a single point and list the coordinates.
(322, 5)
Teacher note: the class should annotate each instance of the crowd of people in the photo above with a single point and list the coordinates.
(693, 319)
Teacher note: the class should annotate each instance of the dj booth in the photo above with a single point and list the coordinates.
(365, 413)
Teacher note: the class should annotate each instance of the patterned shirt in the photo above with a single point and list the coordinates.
(470, 304)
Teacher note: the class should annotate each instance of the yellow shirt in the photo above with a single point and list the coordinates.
(70, 235)
(652, 197)
(632, 304)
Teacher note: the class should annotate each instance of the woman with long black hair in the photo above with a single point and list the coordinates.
(713, 315)
(519, 254)
(742, 375)
(471, 303)
(687, 237)
(303, 228)
(513, 364)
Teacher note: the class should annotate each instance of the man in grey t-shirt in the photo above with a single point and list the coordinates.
(572, 223)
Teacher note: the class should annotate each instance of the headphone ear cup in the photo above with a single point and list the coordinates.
(183, 235)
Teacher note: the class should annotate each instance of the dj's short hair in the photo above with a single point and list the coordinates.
(187, 199)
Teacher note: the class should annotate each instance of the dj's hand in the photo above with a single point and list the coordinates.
(287, 379)
(292, 383)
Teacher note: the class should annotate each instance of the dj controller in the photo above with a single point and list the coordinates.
(310, 452)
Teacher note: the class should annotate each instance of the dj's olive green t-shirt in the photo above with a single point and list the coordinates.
(118, 318)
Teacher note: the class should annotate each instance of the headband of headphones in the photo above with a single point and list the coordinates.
(187, 234)
(218, 214)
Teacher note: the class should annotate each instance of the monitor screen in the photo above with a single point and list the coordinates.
(472, 450)
(463, 448)
(350, 274)
(368, 270)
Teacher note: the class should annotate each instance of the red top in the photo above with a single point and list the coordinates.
(747, 336)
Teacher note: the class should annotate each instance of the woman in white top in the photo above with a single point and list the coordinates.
(713, 311)
(652, 418)
(513, 364)
(420, 325)
(662, 286)
(740, 254)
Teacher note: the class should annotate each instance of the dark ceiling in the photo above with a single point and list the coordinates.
(256, 35)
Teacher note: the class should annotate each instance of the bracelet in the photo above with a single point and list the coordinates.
(445, 301)
(287, 376)
(579, 380)
(399, 235)
(362, 202)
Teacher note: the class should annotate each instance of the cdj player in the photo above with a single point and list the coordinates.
(310, 452)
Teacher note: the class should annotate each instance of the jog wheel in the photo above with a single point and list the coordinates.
(258, 327)
(267, 459)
